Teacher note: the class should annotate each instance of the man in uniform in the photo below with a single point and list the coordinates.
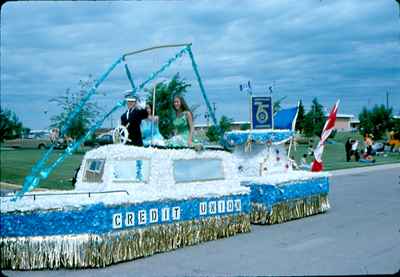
(132, 118)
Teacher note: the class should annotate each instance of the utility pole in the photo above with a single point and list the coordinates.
(111, 122)
(207, 117)
(387, 100)
(214, 108)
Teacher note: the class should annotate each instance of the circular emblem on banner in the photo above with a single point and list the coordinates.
(262, 116)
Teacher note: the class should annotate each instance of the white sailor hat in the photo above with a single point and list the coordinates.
(130, 97)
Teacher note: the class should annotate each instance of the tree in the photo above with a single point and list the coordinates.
(366, 124)
(376, 121)
(165, 93)
(10, 126)
(244, 126)
(68, 103)
(314, 120)
(300, 118)
(193, 109)
(215, 133)
(396, 126)
(308, 125)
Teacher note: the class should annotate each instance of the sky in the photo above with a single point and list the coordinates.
(344, 49)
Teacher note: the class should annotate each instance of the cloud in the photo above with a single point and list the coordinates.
(306, 49)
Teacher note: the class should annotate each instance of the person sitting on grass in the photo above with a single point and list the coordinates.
(366, 158)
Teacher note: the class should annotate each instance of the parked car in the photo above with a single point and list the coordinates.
(104, 139)
(378, 147)
(26, 142)
(39, 141)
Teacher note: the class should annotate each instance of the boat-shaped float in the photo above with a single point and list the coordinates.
(129, 202)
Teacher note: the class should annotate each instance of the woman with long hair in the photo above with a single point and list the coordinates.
(183, 123)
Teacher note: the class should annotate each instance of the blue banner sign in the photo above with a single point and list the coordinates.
(100, 218)
(261, 112)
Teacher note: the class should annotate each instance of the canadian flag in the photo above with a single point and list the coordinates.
(328, 128)
(246, 87)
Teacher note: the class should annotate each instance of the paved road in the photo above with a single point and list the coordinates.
(359, 235)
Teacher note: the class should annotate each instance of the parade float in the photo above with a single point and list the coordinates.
(278, 192)
(128, 201)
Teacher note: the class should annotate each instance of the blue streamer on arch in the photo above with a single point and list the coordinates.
(39, 172)
(130, 78)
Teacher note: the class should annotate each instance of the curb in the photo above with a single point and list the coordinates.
(4, 185)
(349, 171)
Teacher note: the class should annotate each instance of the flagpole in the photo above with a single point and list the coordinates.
(153, 111)
(293, 128)
(326, 131)
(272, 107)
(251, 113)
(247, 88)
(290, 146)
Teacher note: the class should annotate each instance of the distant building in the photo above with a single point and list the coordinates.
(354, 124)
(345, 122)
(201, 127)
(38, 133)
(101, 131)
(236, 125)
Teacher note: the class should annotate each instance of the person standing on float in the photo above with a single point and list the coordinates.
(132, 118)
(183, 124)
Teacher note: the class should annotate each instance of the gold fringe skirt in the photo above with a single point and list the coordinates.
(92, 250)
(289, 210)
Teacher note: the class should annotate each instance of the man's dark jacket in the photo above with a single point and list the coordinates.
(134, 119)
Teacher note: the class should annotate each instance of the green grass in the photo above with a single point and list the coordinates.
(334, 156)
(16, 164)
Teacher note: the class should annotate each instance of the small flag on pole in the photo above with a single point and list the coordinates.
(327, 130)
(245, 87)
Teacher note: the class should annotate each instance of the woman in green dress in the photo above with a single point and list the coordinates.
(183, 124)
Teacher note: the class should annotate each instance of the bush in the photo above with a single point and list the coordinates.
(314, 120)
(10, 126)
(244, 126)
(215, 133)
(376, 121)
